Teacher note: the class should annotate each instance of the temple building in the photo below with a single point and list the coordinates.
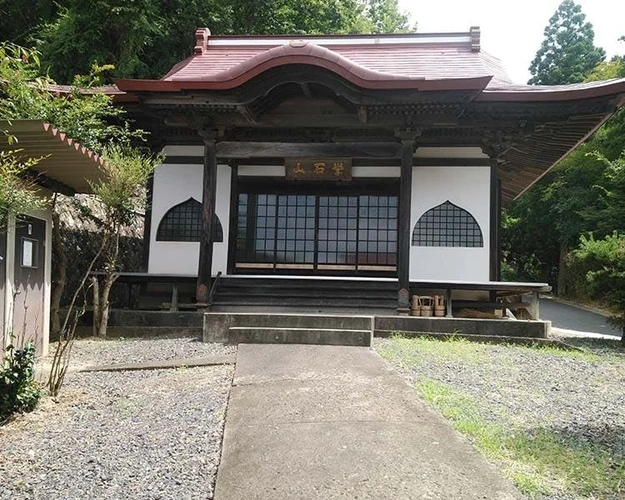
(352, 158)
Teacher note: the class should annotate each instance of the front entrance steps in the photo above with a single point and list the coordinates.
(354, 330)
(261, 328)
(305, 294)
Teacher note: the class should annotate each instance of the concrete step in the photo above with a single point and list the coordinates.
(318, 336)
(218, 327)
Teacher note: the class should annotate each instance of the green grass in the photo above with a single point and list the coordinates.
(419, 350)
(538, 461)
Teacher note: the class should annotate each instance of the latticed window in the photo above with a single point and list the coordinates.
(447, 226)
(184, 223)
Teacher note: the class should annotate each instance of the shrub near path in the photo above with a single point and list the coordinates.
(553, 419)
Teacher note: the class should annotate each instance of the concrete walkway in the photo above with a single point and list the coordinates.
(329, 422)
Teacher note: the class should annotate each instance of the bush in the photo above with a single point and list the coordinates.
(19, 392)
(606, 278)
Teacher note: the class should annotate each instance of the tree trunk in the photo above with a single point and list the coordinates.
(96, 305)
(110, 277)
(562, 270)
(59, 279)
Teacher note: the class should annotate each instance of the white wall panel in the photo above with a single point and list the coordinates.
(174, 184)
(468, 188)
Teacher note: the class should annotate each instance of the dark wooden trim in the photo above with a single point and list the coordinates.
(498, 226)
(234, 215)
(147, 222)
(358, 185)
(209, 185)
(228, 149)
(404, 229)
(184, 160)
(377, 162)
(495, 204)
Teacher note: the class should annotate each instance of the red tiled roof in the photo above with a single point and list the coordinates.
(512, 92)
(414, 61)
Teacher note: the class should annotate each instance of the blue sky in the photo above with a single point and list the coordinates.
(513, 30)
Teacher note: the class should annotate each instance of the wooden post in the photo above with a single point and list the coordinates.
(449, 303)
(495, 220)
(407, 138)
(209, 185)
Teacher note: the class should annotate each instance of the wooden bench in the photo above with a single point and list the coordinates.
(497, 290)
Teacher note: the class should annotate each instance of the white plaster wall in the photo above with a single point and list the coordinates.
(174, 184)
(468, 188)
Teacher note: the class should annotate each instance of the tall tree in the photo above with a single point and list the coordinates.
(20, 19)
(568, 52)
(145, 38)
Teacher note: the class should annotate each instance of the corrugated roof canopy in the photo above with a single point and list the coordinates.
(66, 165)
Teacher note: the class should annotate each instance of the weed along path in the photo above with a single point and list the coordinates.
(553, 420)
(329, 422)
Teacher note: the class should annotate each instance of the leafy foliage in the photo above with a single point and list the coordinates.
(145, 38)
(88, 116)
(18, 192)
(607, 279)
(568, 53)
(122, 188)
(19, 392)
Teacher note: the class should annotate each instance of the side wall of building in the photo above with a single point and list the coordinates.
(175, 184)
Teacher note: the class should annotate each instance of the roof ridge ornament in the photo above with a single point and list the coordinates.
(475, 38)
(298, 43)
(201, 40)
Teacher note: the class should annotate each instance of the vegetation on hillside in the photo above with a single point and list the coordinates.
(584, 194)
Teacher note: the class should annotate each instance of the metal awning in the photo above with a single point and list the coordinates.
(66, 166)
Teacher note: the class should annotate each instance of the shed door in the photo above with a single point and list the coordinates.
(29, 280)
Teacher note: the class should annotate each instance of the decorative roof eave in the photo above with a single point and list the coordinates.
(538, 93)
(302, 53)
(64, 160)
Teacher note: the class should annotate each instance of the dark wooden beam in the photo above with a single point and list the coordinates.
(209, 185)
(242, 150)
(495, 206)
(234, 215)
(407, 138)
(49, 183)
(358, 162)
(147, 222)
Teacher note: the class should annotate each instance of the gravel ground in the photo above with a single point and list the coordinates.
(580, 397)
(137, 350)
(148, 434)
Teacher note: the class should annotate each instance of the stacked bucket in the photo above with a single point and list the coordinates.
(426, 305)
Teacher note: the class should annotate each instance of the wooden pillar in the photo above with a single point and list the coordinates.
(495, 222)
(209, 185)
(404, 232)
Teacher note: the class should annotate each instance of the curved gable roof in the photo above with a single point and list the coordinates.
(415, 61)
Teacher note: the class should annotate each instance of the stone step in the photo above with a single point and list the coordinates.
(218, 324)
(317, 336)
